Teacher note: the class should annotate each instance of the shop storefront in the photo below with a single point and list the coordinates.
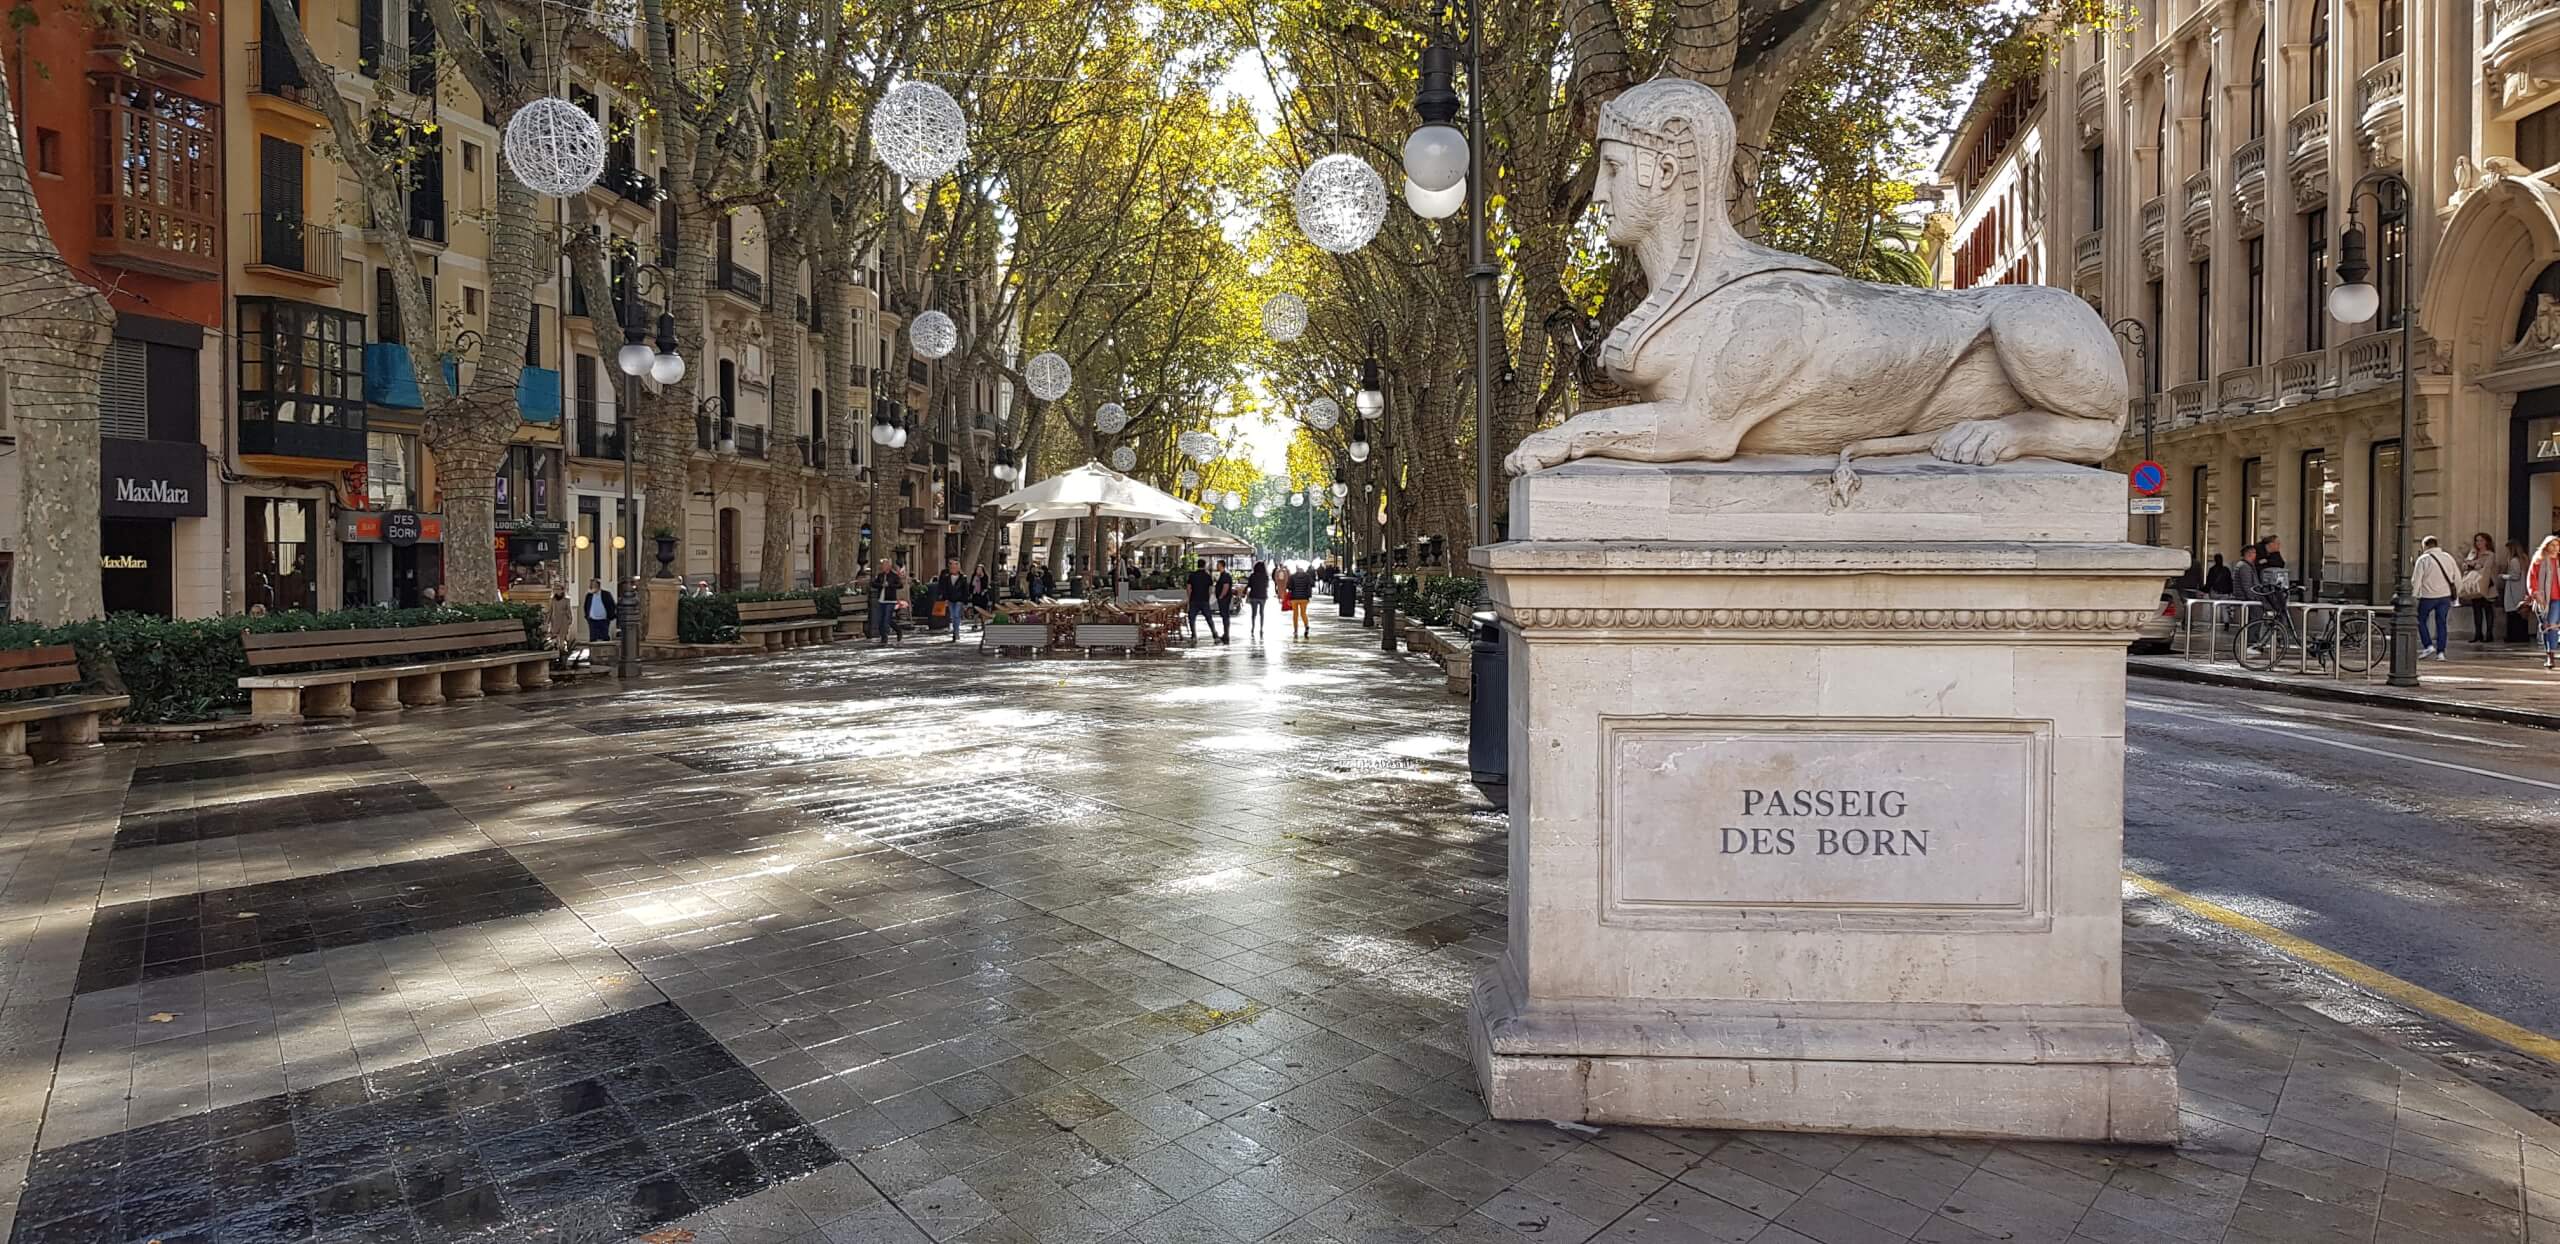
(392, 557)
(144, 489)
(2533, 487)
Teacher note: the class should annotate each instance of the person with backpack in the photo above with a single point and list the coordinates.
(2435, 579)
(1257, 589)
(1302, 584)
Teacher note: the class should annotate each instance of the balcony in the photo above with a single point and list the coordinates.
(2093, 102)
(597, 437)
(2516, 33)
(302, 442)
(2249, 184)
(295, 250)
(389, 380)
(744, 283)
(2367, 361)
(628, 184)
(719, 434)
(2155, 232)
(2306, 154)
(2378, 111)
(2241, 390)
(959, 503)
(278, 89)
(2298, 377)
(2089, 253)
(159, 180)
(538, 396)
(910, 518)
(813, 451)
(2195, 215)
(749, 439)
(161, 42)
(2188, 404)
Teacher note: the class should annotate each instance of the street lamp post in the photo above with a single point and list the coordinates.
(1432, 155)
(665, 366)
(2130, 330)
(2354, 300)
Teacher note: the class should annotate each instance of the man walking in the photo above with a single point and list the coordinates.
(888, 587)
(951, 588)
(2435, 578)
(1196, 602)
(600, 605)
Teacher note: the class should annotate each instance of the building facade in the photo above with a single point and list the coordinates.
(2193, 175)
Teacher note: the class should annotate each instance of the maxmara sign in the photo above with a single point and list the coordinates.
(150, 479)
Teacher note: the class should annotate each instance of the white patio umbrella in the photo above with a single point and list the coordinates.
(1095, 491)
(1200, 536)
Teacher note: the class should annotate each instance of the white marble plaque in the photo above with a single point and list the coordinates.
(1714, 820)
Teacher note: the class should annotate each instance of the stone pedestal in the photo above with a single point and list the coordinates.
(1817, 812)
(659, 627)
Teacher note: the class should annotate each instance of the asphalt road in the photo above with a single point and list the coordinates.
(2427, 847)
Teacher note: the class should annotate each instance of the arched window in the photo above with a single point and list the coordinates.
(2258, 87)
(2319, 86)
(2546, 285)
(817, 419)
(2204, 123)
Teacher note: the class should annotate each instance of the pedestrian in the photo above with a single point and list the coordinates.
(982, 591)
(2244, 574)
(888, 589)
(1196, 601)
(2480, 589)
(599, 612)
(2436, 578)
(2217, 578)
(951, 595)
(2270, 554)
(1226, 593)
(1302, 584)
(1257, 589)
(2511, 577)
(2542, 598)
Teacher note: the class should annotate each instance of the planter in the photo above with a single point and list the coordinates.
(666, 556)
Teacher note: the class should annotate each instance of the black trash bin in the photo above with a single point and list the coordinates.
(1489, 712)
(1346, 595)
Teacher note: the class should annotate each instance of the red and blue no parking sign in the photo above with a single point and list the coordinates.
(2149, 478)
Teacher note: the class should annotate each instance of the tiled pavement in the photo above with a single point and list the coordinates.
(873, 947)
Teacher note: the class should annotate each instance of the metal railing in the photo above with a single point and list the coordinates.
(293, 245)
(749, 437)
(597, 437)
(746, 283)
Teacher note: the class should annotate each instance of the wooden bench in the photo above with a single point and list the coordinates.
(347, 690)
(997, 636)
(1120, 635)
(783, 623)
(68, 720)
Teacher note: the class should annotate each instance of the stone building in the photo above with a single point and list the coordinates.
(2192, 175)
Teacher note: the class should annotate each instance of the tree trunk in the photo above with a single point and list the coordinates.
(782, 462)
(54, 329)
(844, 423)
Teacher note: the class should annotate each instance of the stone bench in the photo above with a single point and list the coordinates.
(997, 636)
(1120, 635)
(783, 623)
(344, 691)
(1454, 651)
(66, 720)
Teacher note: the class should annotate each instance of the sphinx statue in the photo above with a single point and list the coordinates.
(1743, 349)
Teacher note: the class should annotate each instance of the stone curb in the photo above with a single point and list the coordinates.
(2155, 667)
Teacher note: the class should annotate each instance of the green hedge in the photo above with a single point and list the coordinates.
(1439, 599)
(188, 669)
(714, 619)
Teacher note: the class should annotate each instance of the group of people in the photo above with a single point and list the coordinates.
(1214, 596)
(954, 598)
(2510, 594)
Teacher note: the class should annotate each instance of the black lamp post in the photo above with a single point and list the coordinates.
(2130, 330)
(1431, 155)
(664, 365)
(2354, 300)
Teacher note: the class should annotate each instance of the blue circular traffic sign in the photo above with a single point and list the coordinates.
(2148, 478)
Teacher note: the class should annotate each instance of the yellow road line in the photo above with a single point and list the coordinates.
(2416, 997)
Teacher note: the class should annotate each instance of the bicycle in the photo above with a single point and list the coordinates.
(2350, 644)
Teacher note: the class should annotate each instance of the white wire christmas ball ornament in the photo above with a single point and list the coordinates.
(1284, 317)
(1323, 413)
(1189, 479)
(1048, 376)
(1230, 502)
(1110, 418)
(919, 131)
(554, 147)
(1124, 459)
(1340, 203)
(933, 335)
(1297, 498)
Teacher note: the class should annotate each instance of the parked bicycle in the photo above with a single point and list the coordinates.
(2348, 642)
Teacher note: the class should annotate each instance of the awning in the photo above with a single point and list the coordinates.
(1094, 491)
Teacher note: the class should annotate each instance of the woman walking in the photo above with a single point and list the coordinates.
(2511, 569)
(1257, 589)
(2480, 567)
(2541, 594)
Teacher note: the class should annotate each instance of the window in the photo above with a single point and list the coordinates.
(2256, 505)
(2391, 261)
(2204, 123)
(2387, 32)
(524, 482)
(391, 471)
(149, 391)
(2258, 87)
(2319, 504)
(2382, 506)
(2319, 56)
(2204, 320)
(49, 151)
(2196, 510)
(159, 173)
(471, 304)
(728, 392)
(2315, 279)
(2153, 308)
(2538, 137)
(280, 225)
(2097, 162)
(2160, 151)
(817, 418)
(470, 157)
(301, 380)
(2254, 335)
(282, 573)
(368, 37)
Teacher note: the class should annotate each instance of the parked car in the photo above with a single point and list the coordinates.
(2161, 627)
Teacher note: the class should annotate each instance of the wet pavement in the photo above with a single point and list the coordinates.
(885, 946)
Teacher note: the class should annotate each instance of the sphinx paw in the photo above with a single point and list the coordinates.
(1537, 452)
(1977, 442)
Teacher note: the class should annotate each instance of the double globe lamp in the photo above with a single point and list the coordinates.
(1435, 157)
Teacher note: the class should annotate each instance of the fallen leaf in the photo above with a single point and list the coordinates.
(162, 1017)
(609, 980)
(243, 915)
(669, 1235)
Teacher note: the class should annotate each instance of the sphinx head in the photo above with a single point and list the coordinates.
(1666, 155)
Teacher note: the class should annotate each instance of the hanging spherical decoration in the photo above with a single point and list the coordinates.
(1049, 376)
(1124, 459)
(1189, 479)
(1229, 501)
(919, 131)
(1197, 446)
(1110, 418)
(554, 147)
(1297, 499)
(1284, 317)
(933, 335)
(1340, 203)
(1323, 413)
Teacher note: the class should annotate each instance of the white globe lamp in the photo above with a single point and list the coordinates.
(1435, 158)
(1434, 204)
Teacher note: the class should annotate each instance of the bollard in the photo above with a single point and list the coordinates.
(1387, 627)
(1489, 713)
(1368, 600)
